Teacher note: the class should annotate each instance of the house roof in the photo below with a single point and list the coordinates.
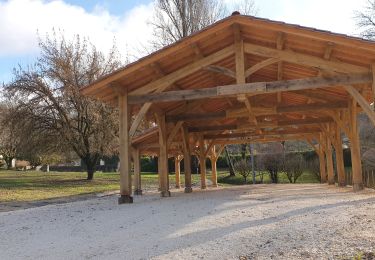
(284, 52)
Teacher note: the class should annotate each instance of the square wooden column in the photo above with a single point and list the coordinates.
(177, 170)
(355, 148)
(202, 162)
(213, 159)
(137, 172)
(322, 160)
(163, 157)
(330, 171)
(339, 156)
(187, 160)
(125, 156)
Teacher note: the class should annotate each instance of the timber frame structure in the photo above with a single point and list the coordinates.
(241, 80)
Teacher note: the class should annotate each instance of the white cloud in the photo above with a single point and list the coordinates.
(21, 19)
(333, 15)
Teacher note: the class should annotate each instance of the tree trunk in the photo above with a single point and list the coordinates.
(230, 163)
(8, 161)
(90, 173)
(91, 161)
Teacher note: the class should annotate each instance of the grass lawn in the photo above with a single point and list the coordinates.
(23, 186)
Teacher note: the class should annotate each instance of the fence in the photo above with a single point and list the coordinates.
(368, 178)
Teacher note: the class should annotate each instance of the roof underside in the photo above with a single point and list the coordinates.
(267, 34)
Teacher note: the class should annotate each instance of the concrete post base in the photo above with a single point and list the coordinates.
(125, 199)
(165, 193)
(358, 187)
(342, 184)
(214, 186)
(138, 192)
(331, 182)
(203, 187)
(188, 190)
(178, 187)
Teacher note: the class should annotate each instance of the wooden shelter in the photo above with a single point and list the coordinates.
(242, 80)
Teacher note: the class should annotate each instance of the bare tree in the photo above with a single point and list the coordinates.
(10, 134)
(366, 20)
(243, 168)
(176, 19)
(294, 167)
(48, 94)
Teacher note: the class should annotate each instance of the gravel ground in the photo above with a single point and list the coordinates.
(247, 222)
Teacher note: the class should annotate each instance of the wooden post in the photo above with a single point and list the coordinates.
(355, 148)
(213, 159)
(177, 170)
(159, 173)
(163, 156)
(330, 171)
(339, 157)
(202, 161)
(125, 171)
(322, 159)
(137, 172)
(187, 160)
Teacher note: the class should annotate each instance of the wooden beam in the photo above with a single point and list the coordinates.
(163, 156)
(265, 133)
(137, 172)
(162, 83)
(174, 132)
(330, 172)
(239, 55)
(260, 65)
(236, 113)
(125, 153)
(337, 143)
(355, 147)
(362, 102)
(221, 70)
(262, 139)
(177, 169)
(268, 124)
(328, 50)
(322, 159)
(373, 84)
(187, 159)
(304, 59)
(202, 161)
(252, 88)
(138, 119)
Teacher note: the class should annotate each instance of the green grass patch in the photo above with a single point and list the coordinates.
(23, 186)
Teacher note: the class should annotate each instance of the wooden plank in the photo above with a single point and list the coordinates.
(362, 102)
(162, 83)
(252, 88)
(373, 84)
(304, 59)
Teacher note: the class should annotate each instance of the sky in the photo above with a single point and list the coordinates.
(127, 23)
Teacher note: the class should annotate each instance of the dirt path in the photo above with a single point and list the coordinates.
(262, 222)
